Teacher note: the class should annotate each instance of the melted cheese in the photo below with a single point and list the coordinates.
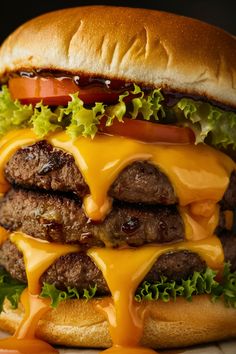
(35, 307)
(9, 144)
(106, 156)
(25, 346)
(199, 175)
(38, 256)
(229, 219)
(3, 235)
(117, 349)
(200, 226)
(125, 269)
(197, 172)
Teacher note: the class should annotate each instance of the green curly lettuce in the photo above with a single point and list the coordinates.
(83, 121)
(116, 111)
(227, 288)
(56, 296)
(44, 120)
(147, 106)
(10, 289)
(205, 119)
(13, 115)
(78, 119)
(197, 284)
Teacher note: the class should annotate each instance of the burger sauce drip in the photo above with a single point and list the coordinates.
(116, 86)
(38, 256)
(124, 270)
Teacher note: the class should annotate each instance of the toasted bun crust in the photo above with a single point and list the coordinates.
(173, 324)
(144, 46)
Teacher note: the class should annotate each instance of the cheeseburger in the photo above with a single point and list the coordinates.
(117, 181)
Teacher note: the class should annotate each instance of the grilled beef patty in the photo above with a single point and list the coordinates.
(229, 200)
(59, 218)
(78, 270)
(228, 240)
(55, 214)
(45, 167)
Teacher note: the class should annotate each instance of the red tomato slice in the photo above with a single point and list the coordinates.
(55, 91)
(149, 132)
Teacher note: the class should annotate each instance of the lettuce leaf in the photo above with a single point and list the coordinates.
(147, 106)
(83, 121)
(13, 115)
(44, 120)
(207, 121)
(196, 284)
(9, 289)
(56, 296)
(227, 288)
(116, 111)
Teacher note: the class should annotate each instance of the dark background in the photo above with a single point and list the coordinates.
(218, 12)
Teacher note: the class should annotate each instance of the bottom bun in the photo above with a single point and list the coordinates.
(166, 325)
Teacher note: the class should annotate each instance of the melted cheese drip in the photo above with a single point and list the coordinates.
(105, 157)
(25, 346)
(229, 219)
(38, 256)
(199, 226)
(198, 185)
(117, 349)
(3, 235)
(9, 144)
(125, 269)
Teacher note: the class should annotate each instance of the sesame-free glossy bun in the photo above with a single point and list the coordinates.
(167, 325)
(138, 45)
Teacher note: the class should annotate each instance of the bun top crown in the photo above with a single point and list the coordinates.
(143, 46)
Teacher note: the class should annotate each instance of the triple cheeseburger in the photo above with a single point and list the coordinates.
(118, 179)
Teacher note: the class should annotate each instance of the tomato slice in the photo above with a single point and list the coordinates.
(149, 132)
(55, 91)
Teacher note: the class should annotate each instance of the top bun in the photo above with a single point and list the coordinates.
(144, 46)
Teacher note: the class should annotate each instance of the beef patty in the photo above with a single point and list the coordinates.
(45, 167)
(78, 270)
(228, 240)
(58, 218)
(229, 200)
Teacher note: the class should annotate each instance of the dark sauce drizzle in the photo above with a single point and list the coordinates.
(171, 97)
